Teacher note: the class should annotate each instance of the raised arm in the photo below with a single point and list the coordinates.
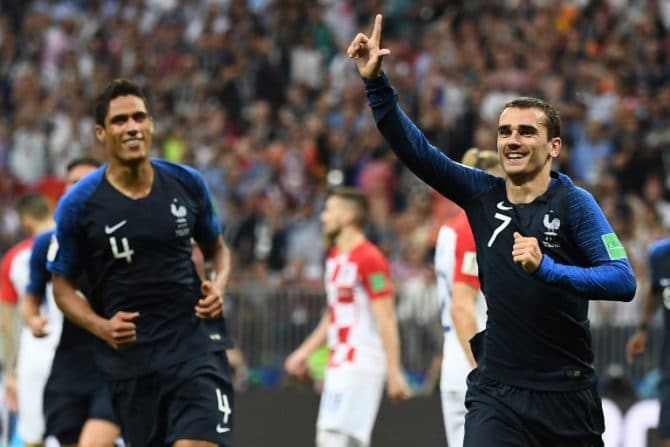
(453, 180)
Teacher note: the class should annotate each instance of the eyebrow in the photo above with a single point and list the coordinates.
(120, 118)
(523, 128)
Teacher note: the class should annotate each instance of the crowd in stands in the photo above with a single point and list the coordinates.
(260, 97)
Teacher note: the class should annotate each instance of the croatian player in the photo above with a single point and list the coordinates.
(360, 328)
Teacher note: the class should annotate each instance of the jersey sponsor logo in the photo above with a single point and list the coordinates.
(377, 281)
(111, 229)
(614, 246)
(469, 266)
(501, 206)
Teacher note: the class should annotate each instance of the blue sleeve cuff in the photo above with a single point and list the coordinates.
(545, 269)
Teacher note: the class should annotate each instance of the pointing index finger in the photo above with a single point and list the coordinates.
(377, 30)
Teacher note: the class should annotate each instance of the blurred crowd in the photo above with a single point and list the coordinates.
(261, 98)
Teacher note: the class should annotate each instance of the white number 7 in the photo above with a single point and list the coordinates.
(505, 221)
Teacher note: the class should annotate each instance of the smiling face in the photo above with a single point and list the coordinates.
(127, 130)
(524, 147)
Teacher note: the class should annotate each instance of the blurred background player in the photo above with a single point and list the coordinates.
(463, 305)
(659, 268)
(35, 354)
(77, 404)
(360, 328)
(129, 227)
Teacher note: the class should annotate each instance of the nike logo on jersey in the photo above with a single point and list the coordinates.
(113, 228)
(220, 429)
(501, 206)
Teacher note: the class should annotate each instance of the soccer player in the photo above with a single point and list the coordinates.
(659, 268)
(544, 249)
(33, 361)
(463, 305)
(77, 405)
(359, 326)
(128, 226)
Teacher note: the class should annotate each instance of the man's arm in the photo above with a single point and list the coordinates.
(463, 298)
(8, 335)
(296, 362)
(119, 331)
(609, 275)
(30, 314)
(637, 343)
(384, 311)
(453, 180)
(210, 306)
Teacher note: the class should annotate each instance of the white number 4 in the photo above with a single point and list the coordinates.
(224, 406)
(126, 254)
(505, 221)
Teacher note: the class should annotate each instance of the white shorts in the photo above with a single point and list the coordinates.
(32, 371)
(335, 439)
(453, 412)
(350, 402)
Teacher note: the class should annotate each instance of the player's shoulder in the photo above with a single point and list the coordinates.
(367, 252)
(180, 172)
(82, 191)
(43, 240)
(659, 249)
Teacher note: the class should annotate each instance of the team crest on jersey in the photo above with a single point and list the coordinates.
(179, 212)
(550, 236)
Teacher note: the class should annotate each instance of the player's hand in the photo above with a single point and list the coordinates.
(10, 395)
(296, 364)
(37, 325)
(397, 387)
(637, 344)
(120, 331)
(526, 252)
(366, 52)
(210, 306)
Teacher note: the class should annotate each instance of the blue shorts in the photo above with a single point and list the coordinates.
(189, 400)
(503, 415)
(67, 412)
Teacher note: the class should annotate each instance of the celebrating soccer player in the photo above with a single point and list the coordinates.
(544, 249)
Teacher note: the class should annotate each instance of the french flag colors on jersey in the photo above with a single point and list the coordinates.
(352, 281)
(456, 261)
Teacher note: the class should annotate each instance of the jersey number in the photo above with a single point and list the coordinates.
(126, 254)
(224, 407)
(505, 221)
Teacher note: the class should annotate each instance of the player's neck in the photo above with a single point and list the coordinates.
(348, 239)
(134, 181)
(527, 189)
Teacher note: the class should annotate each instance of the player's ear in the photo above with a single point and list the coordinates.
(555, 146)
(100, 133)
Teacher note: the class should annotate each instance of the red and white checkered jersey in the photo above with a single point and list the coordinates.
(15, 272)
(456, 261)
(352, 281)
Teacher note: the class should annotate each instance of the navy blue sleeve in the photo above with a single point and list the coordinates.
(453, 180)
(62, 257)
(609, 275)
(657, 252)
(39, 275)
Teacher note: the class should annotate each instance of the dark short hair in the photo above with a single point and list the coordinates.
(355, 197)
(553, 119)
(118, 87)
(33, 204)
(83, 161)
